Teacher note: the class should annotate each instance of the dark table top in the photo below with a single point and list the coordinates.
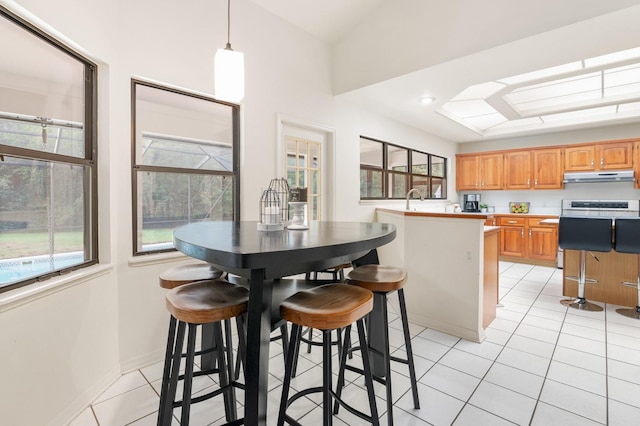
(239, 247)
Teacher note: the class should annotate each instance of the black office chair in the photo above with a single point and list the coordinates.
(627, 240)
(584, 234)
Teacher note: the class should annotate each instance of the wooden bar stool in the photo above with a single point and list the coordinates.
(627, 240)
(383, 280)
(585, 234)
(185, 274)
(328, 307)
(202, 302)
(337, 275)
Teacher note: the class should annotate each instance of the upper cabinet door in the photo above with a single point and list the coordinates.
(615, 156)
(580, 158)
(467, 173)
(547, 168)
(517, 170)
(491, 171)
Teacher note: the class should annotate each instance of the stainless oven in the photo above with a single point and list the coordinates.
(602, 208)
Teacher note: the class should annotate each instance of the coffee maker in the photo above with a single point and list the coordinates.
(471, 203)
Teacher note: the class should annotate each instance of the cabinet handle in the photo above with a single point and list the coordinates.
(476, 184)
(528, 183)
(535, 183)
(601, 162)
(522, 233)
(512, 221)
(592, 164)
(529, 233)
(483, 183)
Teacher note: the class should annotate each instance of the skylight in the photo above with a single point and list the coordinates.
(599, 89)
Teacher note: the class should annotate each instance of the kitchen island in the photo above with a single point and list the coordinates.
(452, 265)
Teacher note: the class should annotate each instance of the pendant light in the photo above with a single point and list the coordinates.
(229, 69)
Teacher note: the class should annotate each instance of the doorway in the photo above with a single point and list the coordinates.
(306, 158)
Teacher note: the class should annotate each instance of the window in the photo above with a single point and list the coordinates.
(185, 163)
(390, 171)
(48, 186)
(303, 170)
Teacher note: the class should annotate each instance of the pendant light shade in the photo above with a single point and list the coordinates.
(229, 75)
(229, 69)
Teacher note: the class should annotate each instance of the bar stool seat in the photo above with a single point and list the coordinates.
(192, 305)
(584, 234)
(382, 280)
(327, 308)
(627, 240)
(185, 274)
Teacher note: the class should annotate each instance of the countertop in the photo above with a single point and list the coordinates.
(461, 215)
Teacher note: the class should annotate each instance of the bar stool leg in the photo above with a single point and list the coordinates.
(295, 340)
(368, 374)
(188, 375)
(407, 343)
(632, 312)
(387, 363)
(229, 394)
(327, 415)
(580, 302)
(166, 375)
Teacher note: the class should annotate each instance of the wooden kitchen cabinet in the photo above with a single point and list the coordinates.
(534, 169)
(543, 240)
(547, 168)
(636, 163)
(609, 156)
(466, 172)
(490, 176)
(512, 241)
(517, 170)
(526, 238)
(476, 172)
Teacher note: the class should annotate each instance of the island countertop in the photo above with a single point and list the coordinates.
(460, 215)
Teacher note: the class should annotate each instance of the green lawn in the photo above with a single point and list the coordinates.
(19, 244)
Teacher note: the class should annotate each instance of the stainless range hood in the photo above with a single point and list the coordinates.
(605, 176)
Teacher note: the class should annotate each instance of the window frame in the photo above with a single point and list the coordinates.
(135, 168)
(389, 172)
(89, 160)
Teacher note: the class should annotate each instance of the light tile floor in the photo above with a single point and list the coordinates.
(541, 364)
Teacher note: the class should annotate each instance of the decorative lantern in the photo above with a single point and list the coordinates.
(281, 187)
(270, 212)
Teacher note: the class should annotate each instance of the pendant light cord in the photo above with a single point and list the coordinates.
(228, 47)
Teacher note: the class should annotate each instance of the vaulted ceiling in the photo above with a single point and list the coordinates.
(387, 55)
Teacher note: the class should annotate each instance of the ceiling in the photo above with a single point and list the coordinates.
(387, 55)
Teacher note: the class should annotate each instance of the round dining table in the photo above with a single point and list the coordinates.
(263, 258)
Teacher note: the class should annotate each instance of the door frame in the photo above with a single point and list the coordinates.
(295, 127)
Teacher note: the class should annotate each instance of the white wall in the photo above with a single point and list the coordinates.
(66, 347)
(353, 122)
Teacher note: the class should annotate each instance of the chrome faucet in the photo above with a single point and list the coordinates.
(411, 191)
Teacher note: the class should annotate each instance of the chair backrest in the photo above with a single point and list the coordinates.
(585, 233)
(627, 235)
(370, 258)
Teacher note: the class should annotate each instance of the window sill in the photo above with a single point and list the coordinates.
(154, 259)
(23, 295)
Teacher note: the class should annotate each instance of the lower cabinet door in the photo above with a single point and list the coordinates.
(512, 241)
(543, 243)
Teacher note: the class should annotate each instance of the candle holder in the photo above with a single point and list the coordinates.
(298, 215)
(270, 212)
(297, 201)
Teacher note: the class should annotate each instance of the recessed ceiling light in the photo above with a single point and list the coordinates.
(427, 100)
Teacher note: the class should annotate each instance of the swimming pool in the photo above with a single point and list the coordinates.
(18, 269)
